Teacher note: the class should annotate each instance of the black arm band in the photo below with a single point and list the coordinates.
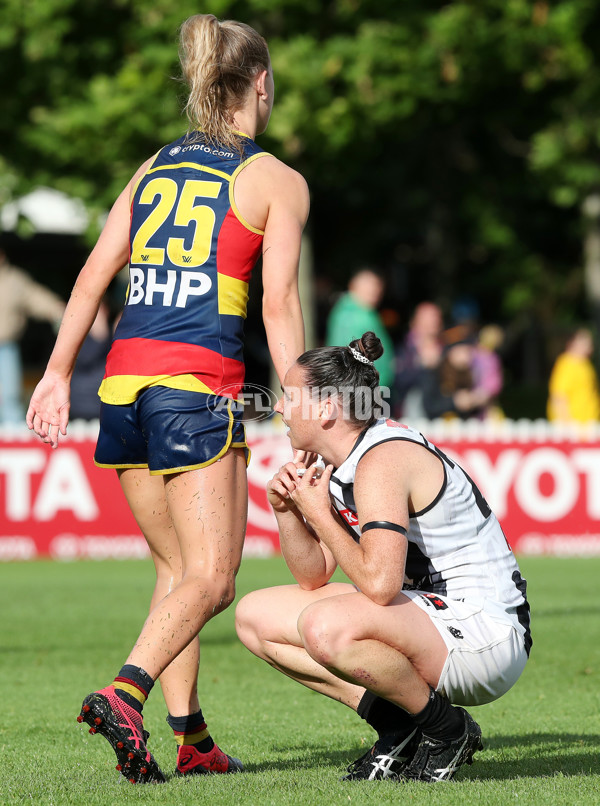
(393, 527)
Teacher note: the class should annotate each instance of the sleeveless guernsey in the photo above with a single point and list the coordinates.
(456, 546)
(191, 257)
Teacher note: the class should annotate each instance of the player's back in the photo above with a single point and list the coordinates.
(191, 257)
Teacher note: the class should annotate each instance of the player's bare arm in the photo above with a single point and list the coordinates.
(309, 561)
(48, 411)
(376, 564)
(392, 480)
(282, 313)
(273, 197)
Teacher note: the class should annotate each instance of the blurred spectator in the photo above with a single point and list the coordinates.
(420, 351)
(89, 368)
(573, 387)
(465, 319)
(448, 389)
(355, 313)
(487, 369)
(21, 298)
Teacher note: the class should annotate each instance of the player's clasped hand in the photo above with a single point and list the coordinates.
(281, 489)
(305, 458)
(282, 485)
(311, 494)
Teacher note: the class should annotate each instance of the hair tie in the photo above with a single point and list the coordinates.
(359, 356)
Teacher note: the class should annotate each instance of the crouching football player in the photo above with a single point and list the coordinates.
(437, 615)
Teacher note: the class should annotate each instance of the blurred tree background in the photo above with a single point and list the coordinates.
(454, 145)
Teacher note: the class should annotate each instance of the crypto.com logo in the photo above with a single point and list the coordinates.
(254, 401)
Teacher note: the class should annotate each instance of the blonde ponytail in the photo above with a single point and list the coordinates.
(219, 61)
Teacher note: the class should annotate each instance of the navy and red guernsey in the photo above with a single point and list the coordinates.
(191, 257)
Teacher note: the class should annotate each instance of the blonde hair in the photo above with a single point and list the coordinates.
(219, 60)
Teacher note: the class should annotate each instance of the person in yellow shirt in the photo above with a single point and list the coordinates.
(573, 388)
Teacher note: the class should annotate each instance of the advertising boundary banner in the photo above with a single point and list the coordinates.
(542, 482)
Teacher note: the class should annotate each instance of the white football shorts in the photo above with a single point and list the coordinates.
(485, 655)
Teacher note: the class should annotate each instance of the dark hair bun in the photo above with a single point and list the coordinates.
(369, 345)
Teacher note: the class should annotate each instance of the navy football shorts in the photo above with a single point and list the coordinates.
(168, 431)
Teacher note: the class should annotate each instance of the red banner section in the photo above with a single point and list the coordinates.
(544, 487)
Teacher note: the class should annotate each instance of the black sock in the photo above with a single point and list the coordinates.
(439, 719)
(133, 685)
(384, 716)
(191, 730)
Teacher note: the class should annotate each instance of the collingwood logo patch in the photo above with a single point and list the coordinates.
(434, 600)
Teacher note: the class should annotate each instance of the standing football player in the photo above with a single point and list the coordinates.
(191, 223)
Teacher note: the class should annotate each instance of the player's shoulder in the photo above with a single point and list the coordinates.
(386, 449)
(393, 445)
(143, 168)
(272, 168)
(134, 182)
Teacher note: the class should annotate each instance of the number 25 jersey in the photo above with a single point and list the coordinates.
(191, 257)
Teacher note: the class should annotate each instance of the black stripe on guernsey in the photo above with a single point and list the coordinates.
(420, 570)
(393, 527)
(359, 439)
(523, 612)
(442, 455)
(347, 488)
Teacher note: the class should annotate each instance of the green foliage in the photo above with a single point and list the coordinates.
(452, 142)
(66, 629)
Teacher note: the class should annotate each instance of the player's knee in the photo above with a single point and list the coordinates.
(320, 635)
(223, 595)
(212, 594)
(247, 623)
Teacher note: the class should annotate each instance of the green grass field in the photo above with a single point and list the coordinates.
(65, 629)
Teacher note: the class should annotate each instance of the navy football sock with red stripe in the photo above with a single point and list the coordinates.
(133, 685)
(191, 730)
